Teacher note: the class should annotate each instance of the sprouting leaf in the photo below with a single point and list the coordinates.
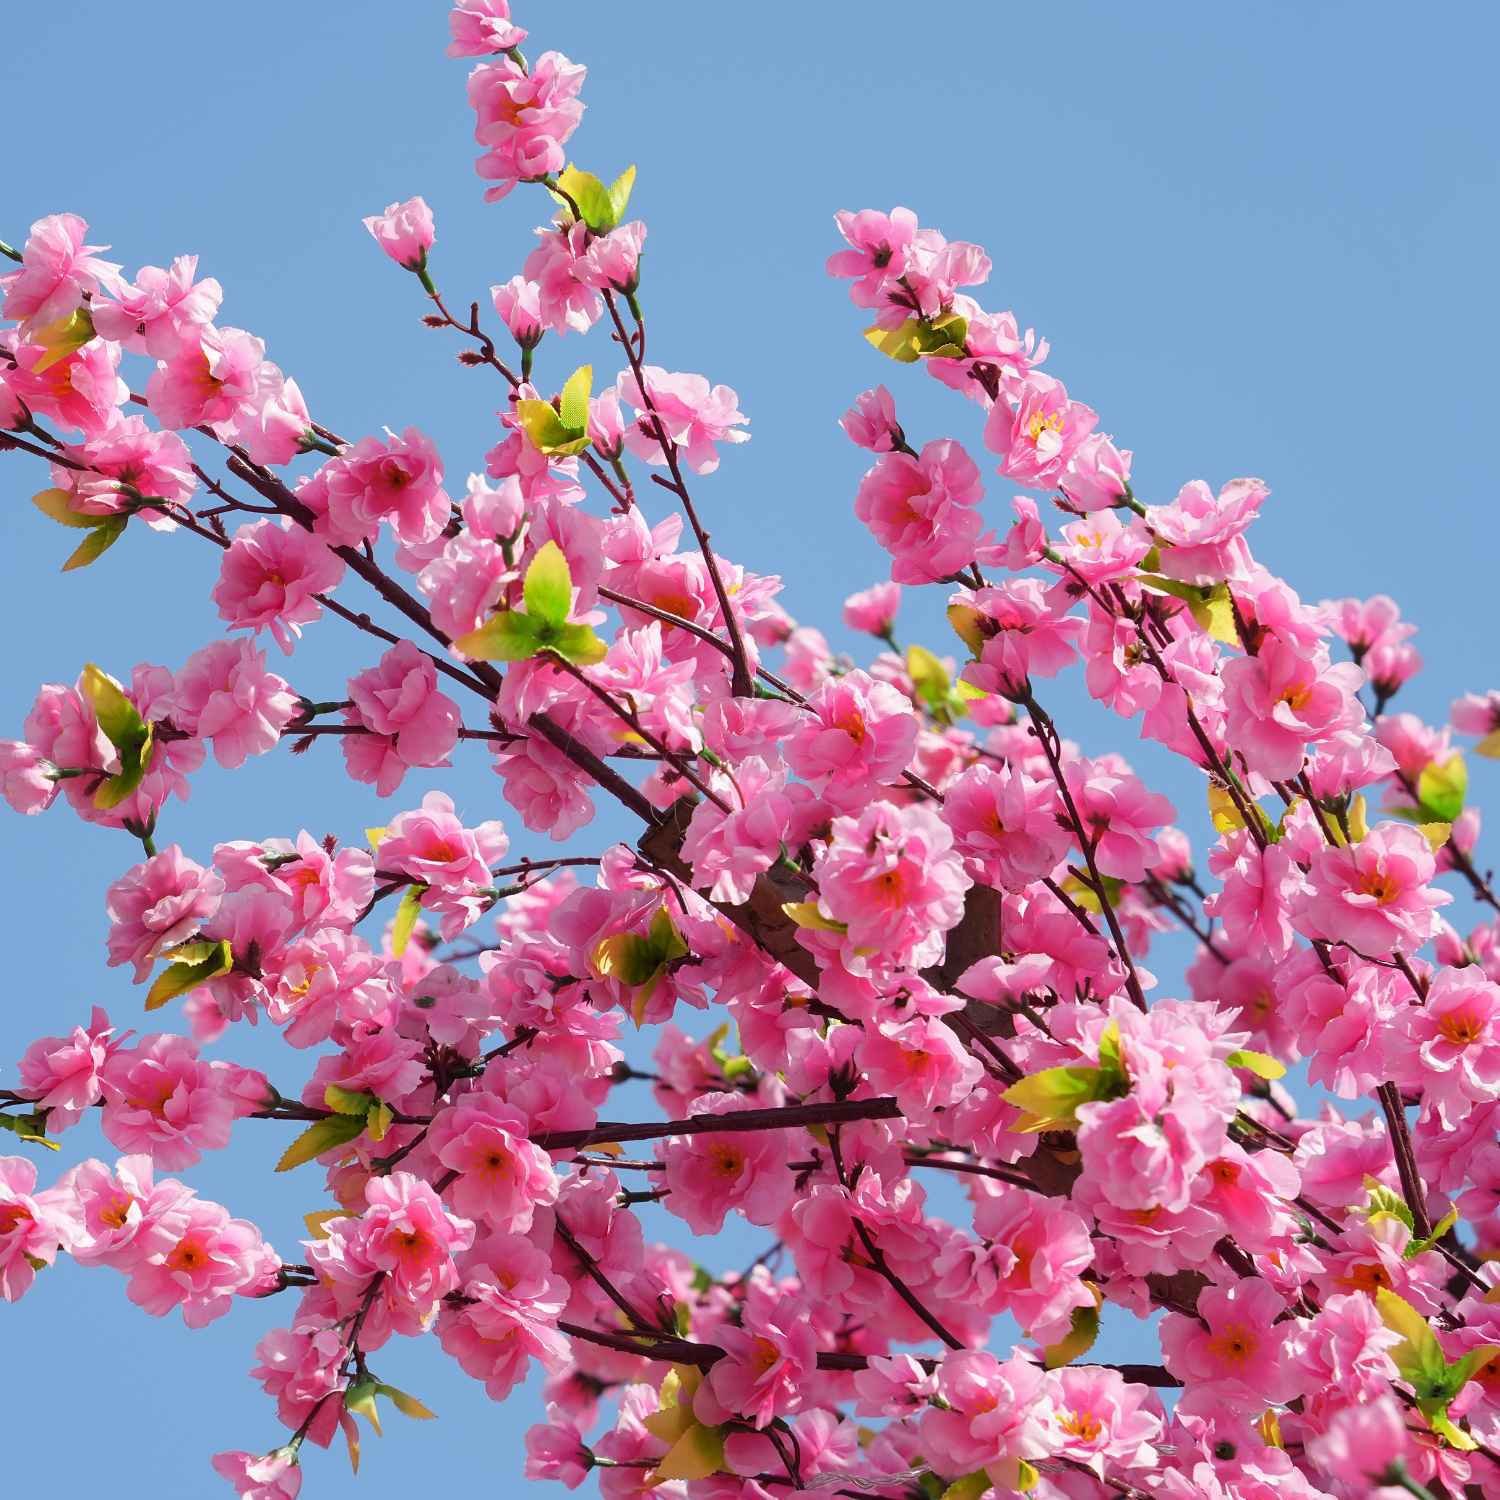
(1086, 894)
(806, 914)
(578, 644)
(1443, 1225)
(407, 1405)
(573, 403)
(322, 1135)
(124, 728)
(1418, 1357)
(548, 432)
(190, 972)
(674, 1413)
(64, 337)
(32, 1127)
(1262, 1064)
(620, 190)
(57, 505)
(1049, 1100)
(1384, 1204)
(970, 1487)
(347, 1101)
(360, 1398)
(639, 961)
(378, 1119)
(697, 1454)
(1441, 788)
(1358, 819)
(99, 540)
(933, 686)
(900, 344)
(1079, 1339)
(938, 338)
(968, 626)
(317, 1223)
(548, 590)
(405, 921)
(508, 636)
(1111, 1051)
(595, 202)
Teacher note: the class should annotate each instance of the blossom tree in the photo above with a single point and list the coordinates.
(914, 916)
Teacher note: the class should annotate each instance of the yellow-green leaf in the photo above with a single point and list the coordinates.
(548, 432)
(32, 1127)
(697, 1454)
(378, 1120)
(320, 1136)
(1049, 1100)
(901, 344)
(968, 626)
(595, 202)
(508, 636)
(317, 1223)
(405, 921)
(548, 589)
(178, 978)
(1441, 788)
(573, 403)
(64, 337)
(620, 190)
(806, 914)
(1262, 1064)
(970, 1487)
(347, 1101)
(361, 1398)
(95, 544)
(407, 1405)
(1419, 1357)
(1489, 746)
(57, 505)
(578, 644)
(1079, 1339)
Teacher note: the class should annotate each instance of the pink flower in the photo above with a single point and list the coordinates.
(922, 1062)
(404, 231)
(161, 1099)
(122, 1217)
(520, 307)
(522, 118)
(1016, 631)
(564, 302)
(995, 1417)
(879, 247)
(502, 1178)
(211, 1260)
(270, 576)
(858, 736)
(1039, 1249)
(1258, 888)
(57, 268)
(482, 27)
(1235, 1348)
(767, 1362)
(695, 416)
(873, 610)
(1037, 438)
(61, 1074)
(891, 877)
(127, 452)
(708, 1175)
(26, 782)
(271, 1476)
(555, 1449)
(432, 846)
(1375, 895)
(162, 311)
(1204, 535)
(399, 480)
(325, 982)
(1449, 1047)
(922, 510)
(210, 380)
(871, 421)
(298, 1367)
(1283, 698)
(1098, 474)
(33, 1226)
(612, 261)
(224, 694)
(1006, 823)
(156, 905)
(1363, 1441)
(1119, 816)
(1097, 1417)
(411, 723)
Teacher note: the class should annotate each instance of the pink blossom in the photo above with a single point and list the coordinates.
(1282, 698)
(859, 735)
(519, 304)
(224, 694)
(328, 981)
(502, 1178)
(482, 27)
(1259, 886)
(1097, 1417)
(33, 1226)
(1449, 1047)
(873, 610)
(161, 311)
(766, 1363)
(1016, 631)
(125, 452)
(555, 1449)
(1374, 895)
(994, 1419)
(57, 268)
(211, 1260)
(564, 301)
(434, 848)
(921, 1062)
(1363, 1442)
(879, 247)
(1037, 438)
(522, 118)
(695, 416)
(209, 380)
(709, 1174)
(270, 576)
(26, 782)
(921, 509)
(399, 480)
(1039, 1249)
(1119, 816)
(156, 905)
(1006, 823)
(1203, 534)
(612, 261)
(1237, 1351)
(1098, 474)
(270, 1476)
(411, 723)
(61, 1074)
(871, 421)
(122, 1216)
(404, 231)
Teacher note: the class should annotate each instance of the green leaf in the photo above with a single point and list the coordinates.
(1079, 1339)
(117, 716)
(1489, 746)
(378, 1119)
(57, 505)
(347, 1101)
(178, 978)
(508, 636)
(968, 626)
(933, 686)
(99, 540)
(405, 920)
(595, 201)
(1384, 1204)
(547, 431)
(1442, 1424)
(64, 337)
(1443, 1225)
(697, 1454)
(408, 1406)
(548, 589)
(1441, 789)
(1111, 1052)
(32, 1127)
(900, 344)
(361, 1398)
(620, 190)
(573, 404)
(1049, 1100)
(806, 914)
(970, 1487)
(321, 1136)
(1418, 1357)
(1262, 1064)
(578, 644)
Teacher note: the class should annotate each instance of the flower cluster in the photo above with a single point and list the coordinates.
(883, 927)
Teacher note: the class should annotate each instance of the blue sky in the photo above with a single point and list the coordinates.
(1261, 240)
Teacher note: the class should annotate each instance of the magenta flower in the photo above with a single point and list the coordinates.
(708, 1175)
(161, 311)
(1017, 631)
(766, 1363)
(270, 1476)
(1203, 534)
(1235, 1349)
(1006, 823)
(859, 735)
(410, 722)
(61, 1074)
(399, 480)
(33, 1226)
(502, 1178)
(481, 28)
(224, 695)
(156, 905)
(922, 510)
(211, 1260)
(995, 1416)
(269, 579)
(523, 119)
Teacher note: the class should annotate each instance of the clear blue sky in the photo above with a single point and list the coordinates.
(1260, 238)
